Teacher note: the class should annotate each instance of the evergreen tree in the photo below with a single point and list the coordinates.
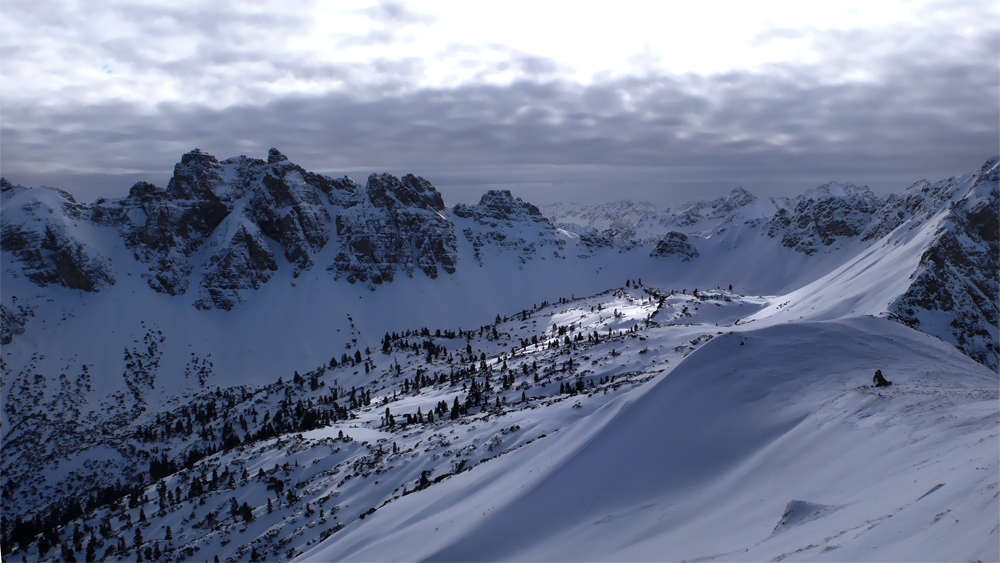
(246, 512)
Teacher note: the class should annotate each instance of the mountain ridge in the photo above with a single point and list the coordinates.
(220, 231)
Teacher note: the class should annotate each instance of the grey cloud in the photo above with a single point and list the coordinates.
(535, 66)
(395, 13)
(657, 137)
(392, 18)
(193, 50)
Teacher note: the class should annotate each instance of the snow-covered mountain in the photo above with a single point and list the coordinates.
(262, 363)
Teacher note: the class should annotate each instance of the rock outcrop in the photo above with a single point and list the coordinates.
(675, 244)
(398, 225)
(41, 228)
(825, 217)
(954, 291)
(501, 223)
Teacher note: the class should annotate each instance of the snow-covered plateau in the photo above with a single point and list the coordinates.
(260, 363)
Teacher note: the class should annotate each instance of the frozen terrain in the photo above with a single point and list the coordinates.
(258, 363)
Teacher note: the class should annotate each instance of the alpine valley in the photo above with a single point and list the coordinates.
(261, 363)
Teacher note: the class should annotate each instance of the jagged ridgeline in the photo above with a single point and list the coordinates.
(217, 227)
(220, 231)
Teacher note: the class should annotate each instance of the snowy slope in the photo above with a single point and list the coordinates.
(204, 300)
(688, 435)
(704, 462)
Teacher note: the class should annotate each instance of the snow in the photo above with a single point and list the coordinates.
(865, 285)
(731, 425)
(705, 463)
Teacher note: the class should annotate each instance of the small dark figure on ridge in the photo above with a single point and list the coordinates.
(879, 380)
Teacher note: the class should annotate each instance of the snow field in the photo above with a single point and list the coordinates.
(706, 461)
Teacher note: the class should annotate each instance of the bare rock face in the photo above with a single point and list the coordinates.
(501, 223)
(164, 227)
(288, 208)
(398, 226)
(215, 224)
(216, 217)
(499, 205)
(825, 217)
(244, 263)
(954, 292)
(620, 237)
(41, 228)
(12, 322)
(675, 244)
(917, 204)
(719, 208)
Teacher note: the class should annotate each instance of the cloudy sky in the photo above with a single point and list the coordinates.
(585, 101)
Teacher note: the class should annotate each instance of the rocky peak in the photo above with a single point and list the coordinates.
(142, 190)
(197, 155)
(736, 199)
(825, 216)
(495, 217)
(398, 226)
(692, 214)
(274, 156)
(675, 244)
(861, 197)
(289, 210)
(500, 204)
(45, 229)
(990, 167)
(198, 176)
(914, 205)
(740, 196)
(386, 190)
(957, 278)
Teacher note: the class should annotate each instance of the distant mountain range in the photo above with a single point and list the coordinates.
(220, 231)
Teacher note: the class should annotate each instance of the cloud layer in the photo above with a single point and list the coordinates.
(884, 108)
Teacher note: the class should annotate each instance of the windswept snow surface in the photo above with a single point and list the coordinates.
(703, 463)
